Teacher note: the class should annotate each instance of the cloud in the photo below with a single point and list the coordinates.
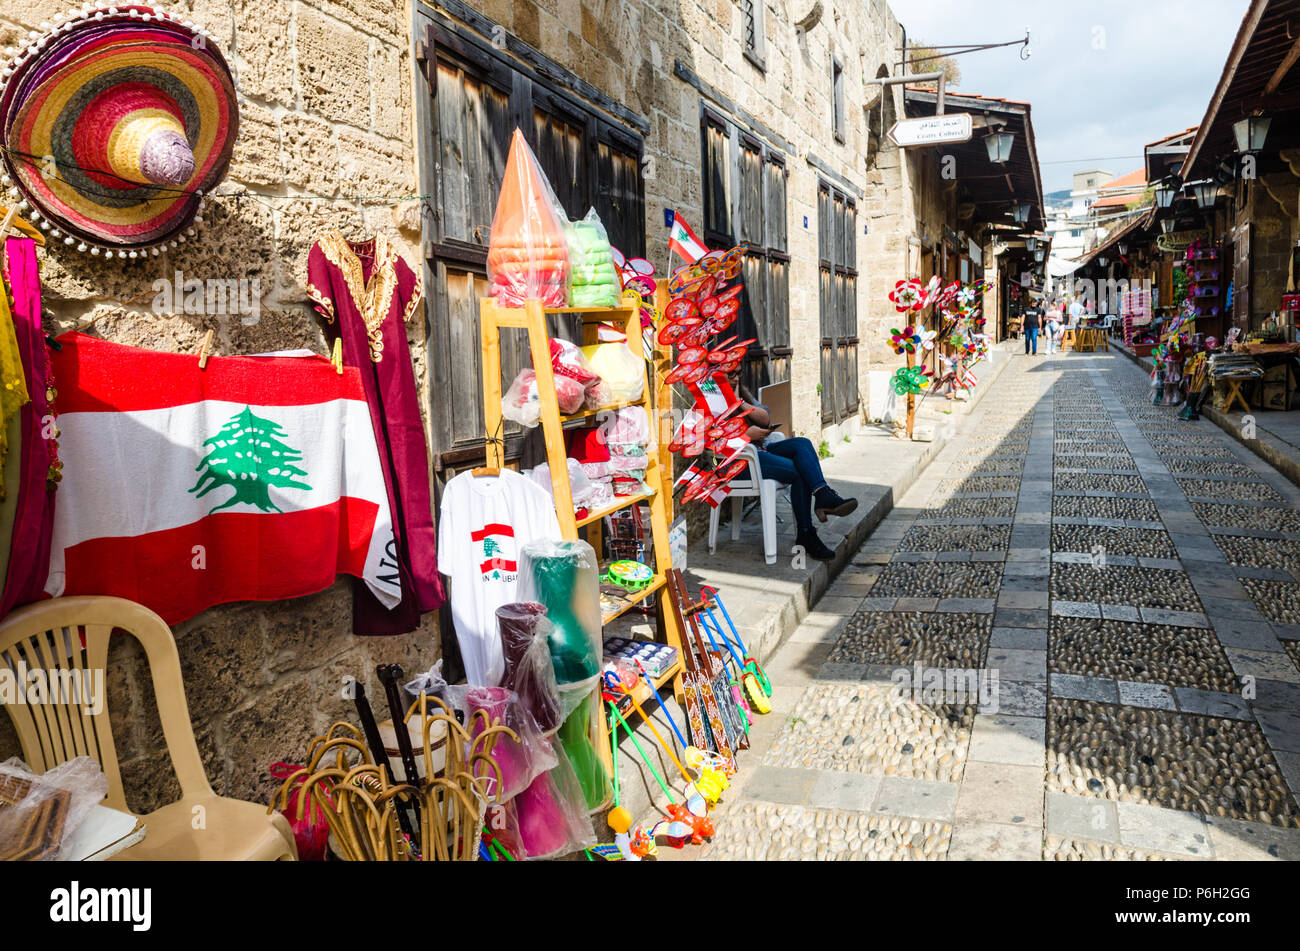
(1106, 77)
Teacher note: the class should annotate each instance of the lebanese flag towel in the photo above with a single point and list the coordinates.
(253, 480)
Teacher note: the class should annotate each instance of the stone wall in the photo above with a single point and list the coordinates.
(325, 114)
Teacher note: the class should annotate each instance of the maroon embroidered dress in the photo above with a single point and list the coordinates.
(366, 293)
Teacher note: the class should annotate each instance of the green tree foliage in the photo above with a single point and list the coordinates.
(919, 61)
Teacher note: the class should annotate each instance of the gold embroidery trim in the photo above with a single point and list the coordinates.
(374, 299)
(323, 303)
(417, 294)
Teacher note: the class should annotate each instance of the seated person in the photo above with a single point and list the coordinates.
(793, 462)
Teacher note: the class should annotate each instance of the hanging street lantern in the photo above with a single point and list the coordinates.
(999, 146)
(1166, 192)
(1039, 255)
(1103, 261)
(1031, 243)
(1020, 212)
(1206, 193)
(1167, 225)
(1250, 133)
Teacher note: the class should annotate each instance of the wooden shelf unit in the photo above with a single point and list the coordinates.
(531, 318)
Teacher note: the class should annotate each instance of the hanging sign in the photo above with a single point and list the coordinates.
(1180, 241)
(931, 130)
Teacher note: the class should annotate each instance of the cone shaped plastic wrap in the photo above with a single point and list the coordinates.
(520, 761)
(577, 738)
(561, 575)
(552, 814)
(528, 255)
(525, 636)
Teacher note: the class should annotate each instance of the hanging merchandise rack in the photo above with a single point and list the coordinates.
(532, 318)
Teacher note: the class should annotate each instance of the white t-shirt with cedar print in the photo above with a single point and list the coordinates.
(483, 524)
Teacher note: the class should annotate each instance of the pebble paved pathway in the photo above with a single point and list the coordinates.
(1119, 594)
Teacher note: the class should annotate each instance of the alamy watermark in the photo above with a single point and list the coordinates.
(241, 297)
(941, 685)
(21, 685)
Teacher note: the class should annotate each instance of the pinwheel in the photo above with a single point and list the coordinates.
(910, 380)
(948, 296)
(925, 338)
(903, 341)
(907, 295)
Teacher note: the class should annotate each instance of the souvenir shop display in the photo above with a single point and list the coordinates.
(366, 294)
(301, 476)
(528, 254)
(135, 109)
(958, 343)
(484, 523)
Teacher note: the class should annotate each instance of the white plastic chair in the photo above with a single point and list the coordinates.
(752, 485)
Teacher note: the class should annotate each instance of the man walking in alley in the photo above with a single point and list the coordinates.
(1032, 321)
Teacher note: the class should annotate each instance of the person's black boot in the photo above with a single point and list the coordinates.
(827, 502)
(814, 546)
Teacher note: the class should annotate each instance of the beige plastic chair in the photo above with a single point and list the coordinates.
(72, 634)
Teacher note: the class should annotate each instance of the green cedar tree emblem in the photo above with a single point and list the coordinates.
(248, 456)
(490, 547)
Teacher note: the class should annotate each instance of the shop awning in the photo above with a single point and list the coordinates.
(1261, 77)
(991, 188)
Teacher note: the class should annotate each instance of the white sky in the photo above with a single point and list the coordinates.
(1105, 78)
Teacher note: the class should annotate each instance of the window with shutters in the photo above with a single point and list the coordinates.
(477, 96)
(745, 204)
(837, 297)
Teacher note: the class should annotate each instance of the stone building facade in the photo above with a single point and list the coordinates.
(345, 124)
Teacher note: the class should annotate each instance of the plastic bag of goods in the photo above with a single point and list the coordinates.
(622, 370)
(522, 403)
(562, 575)
(527, 255)
(525, 639)
(593, 278)
(41, 812)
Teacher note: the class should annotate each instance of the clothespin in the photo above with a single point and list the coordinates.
(336, 357)
(6, 225)
(203, 350)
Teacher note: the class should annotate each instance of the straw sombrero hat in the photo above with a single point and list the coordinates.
(114, 123)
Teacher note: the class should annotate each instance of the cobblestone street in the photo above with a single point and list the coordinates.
(1125, 588)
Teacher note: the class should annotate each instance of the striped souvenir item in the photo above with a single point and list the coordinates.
(255, 479)
(114, 123)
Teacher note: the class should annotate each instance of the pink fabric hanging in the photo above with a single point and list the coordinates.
(29, 559)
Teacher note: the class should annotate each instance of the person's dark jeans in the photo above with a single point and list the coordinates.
(1031, 339)
(794, 462)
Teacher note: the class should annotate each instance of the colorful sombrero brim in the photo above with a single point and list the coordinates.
(114, 124)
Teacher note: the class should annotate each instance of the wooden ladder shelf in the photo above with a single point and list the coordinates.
(532, 319)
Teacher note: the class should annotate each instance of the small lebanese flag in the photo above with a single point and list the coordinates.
(682, 240)
(255, 479)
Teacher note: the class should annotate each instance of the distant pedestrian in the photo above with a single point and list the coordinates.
(1076, 312)
(1053, 328)
(1033, 319)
